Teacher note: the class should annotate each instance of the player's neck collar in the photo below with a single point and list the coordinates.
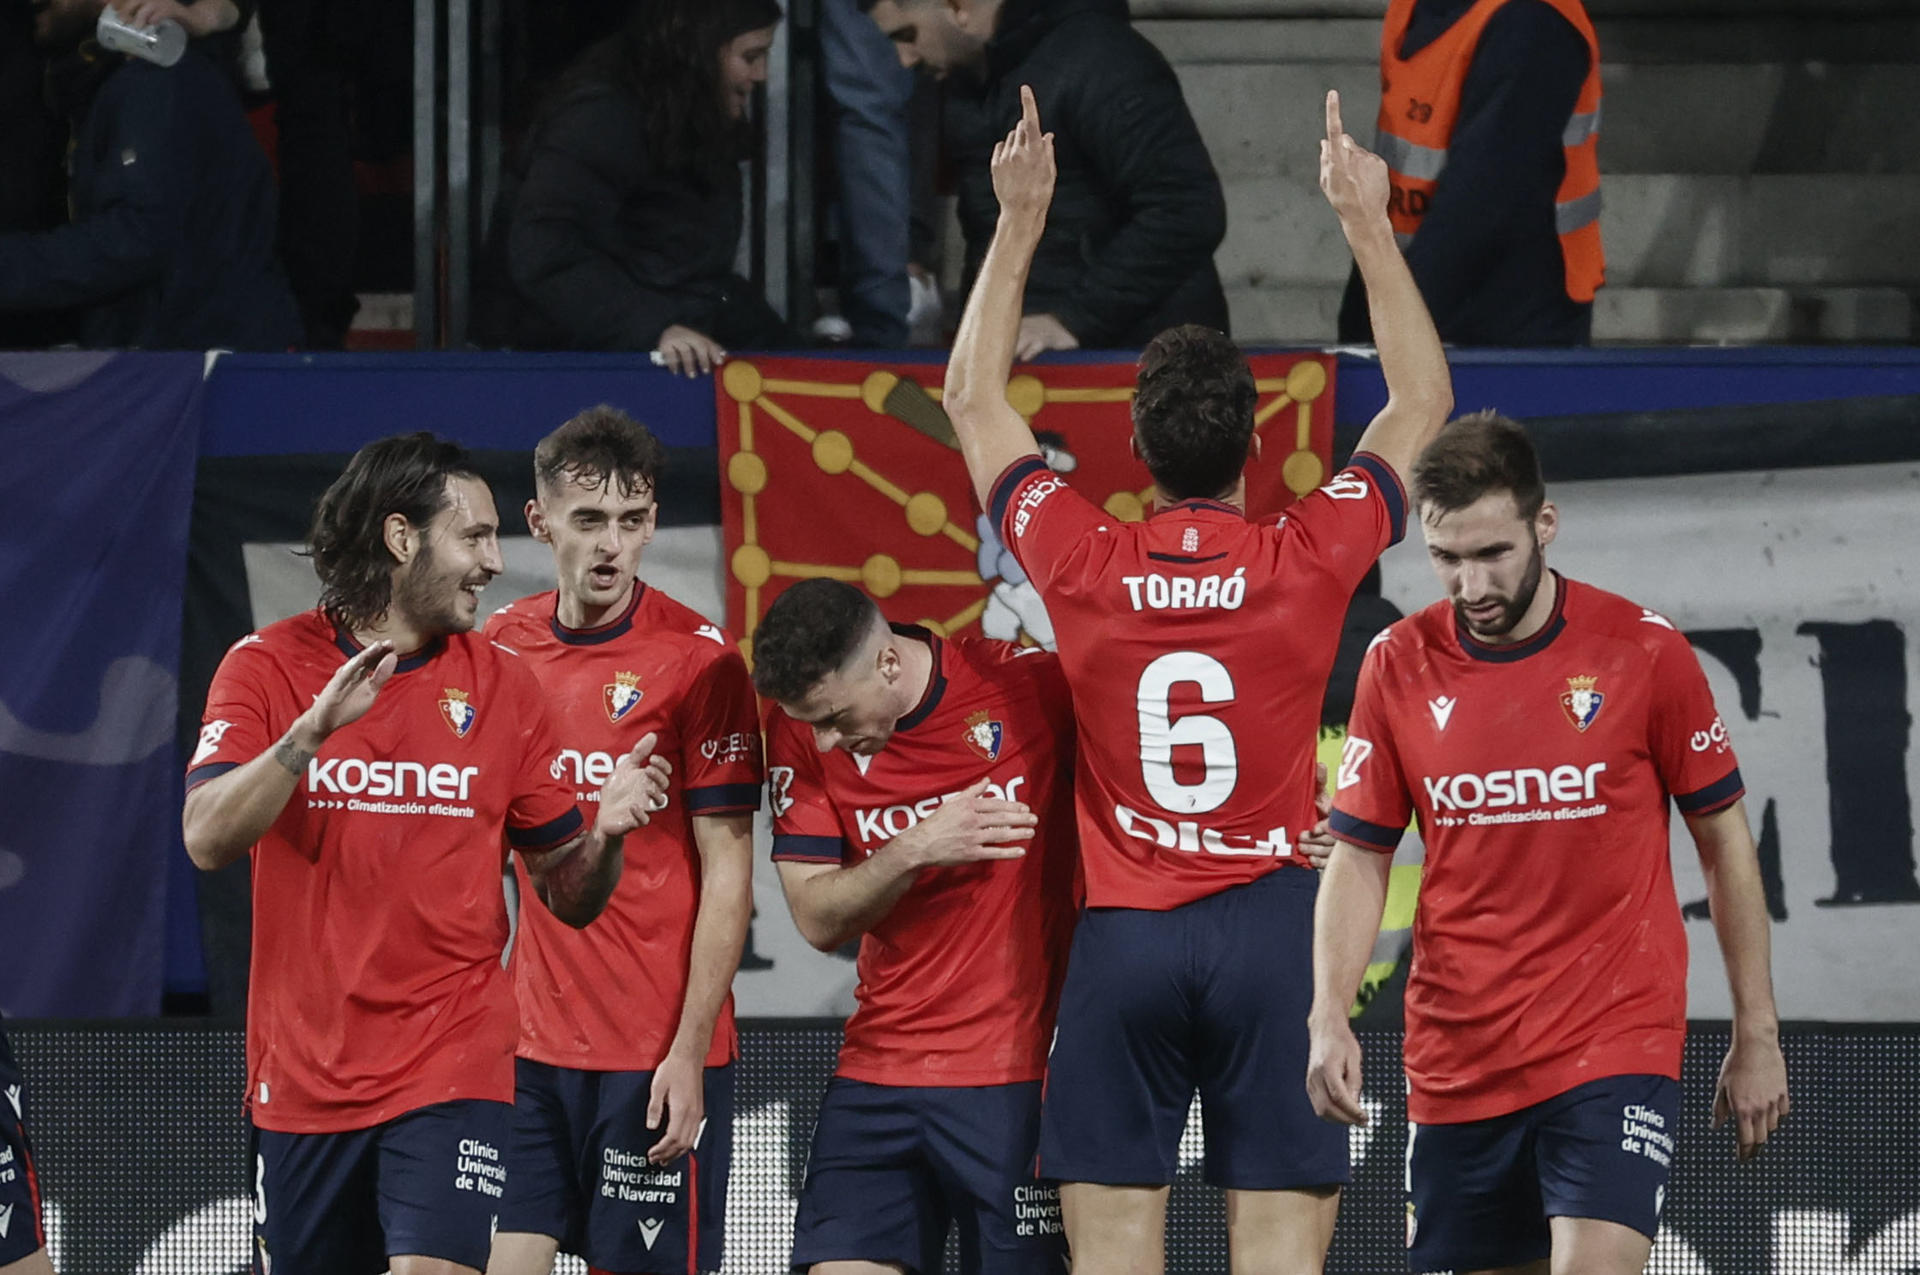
(936, 676)
(1195, 504)
(607, 632)
(350, 648)
(1506, 653)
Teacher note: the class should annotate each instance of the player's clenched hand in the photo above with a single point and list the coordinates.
(637, 787)
(1023, 164)
(1353, 178)
(1333, 1072)
(1753, 1092)
(350, 692)
(1317, 842)
(679, 1098)
(968, 828)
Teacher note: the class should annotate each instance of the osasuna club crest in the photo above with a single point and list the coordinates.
(622, 693)
(985, 735)
(1581, 701)
(457, 712)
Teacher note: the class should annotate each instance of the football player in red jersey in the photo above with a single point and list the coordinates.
(920, 801)
(623, 1115)
(374, 755)
(1198, 644)
(1538, 728)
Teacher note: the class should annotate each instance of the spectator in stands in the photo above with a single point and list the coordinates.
(1490, 121)
(1138, 210)
(170, 244)
(871, 93)
(619, 228)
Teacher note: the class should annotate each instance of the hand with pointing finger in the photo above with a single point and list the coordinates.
(1353, 178)
(1023, 168)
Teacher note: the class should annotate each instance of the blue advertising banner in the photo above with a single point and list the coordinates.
(97, 489)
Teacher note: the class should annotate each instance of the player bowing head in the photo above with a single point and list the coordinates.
(921, 804)
(826, 655)
(406, 538)
(1485, 514)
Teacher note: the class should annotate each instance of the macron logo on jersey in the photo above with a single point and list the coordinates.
(6, 1220)
(13, 1100)
(357, 777)
(1442, 709)
(210, 735)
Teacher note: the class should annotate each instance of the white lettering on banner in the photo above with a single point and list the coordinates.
(355, 776)
(884, 823)
(1030, 501)
(1156, 592)
(1189, 835)
(1499, 789)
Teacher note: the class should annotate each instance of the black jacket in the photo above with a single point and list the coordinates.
(1137, 209)
(171, 242)
(595, 248)
(1487, 257)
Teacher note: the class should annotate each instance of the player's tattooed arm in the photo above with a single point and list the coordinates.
(992, 435)
(225, 816)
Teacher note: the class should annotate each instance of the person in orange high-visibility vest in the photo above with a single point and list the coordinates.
(1490, 122)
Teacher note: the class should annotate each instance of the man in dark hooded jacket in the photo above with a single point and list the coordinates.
(171, 241)
(1137, 211)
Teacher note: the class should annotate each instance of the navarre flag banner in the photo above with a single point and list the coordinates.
(850, 470)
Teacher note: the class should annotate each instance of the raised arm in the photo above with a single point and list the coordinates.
(226, 815)
(1753, 1078)
(1419, 386)
(992, 435)
(832, 905)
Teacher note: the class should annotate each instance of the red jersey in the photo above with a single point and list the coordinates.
(959, 983)
(1198, 645)
(378, 915)
(609, 997)
(1547, 948)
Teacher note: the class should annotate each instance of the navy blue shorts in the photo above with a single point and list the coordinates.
(426, 1183)
(20, 1226)
(580, 1174)
(893, 1167)
(1211, 996)
(1482, 1191)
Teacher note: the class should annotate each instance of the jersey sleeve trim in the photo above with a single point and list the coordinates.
(1368, 836)
(723, 799)
(212, 770)
(1008, 482)
(555, 832)
(1715, 797)
(792, 848)
(1391, 490)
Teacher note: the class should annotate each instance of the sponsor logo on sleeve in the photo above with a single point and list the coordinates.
(1353, 755)
(780, 789)
(728, 750)
(210, 736)
(1714, 737)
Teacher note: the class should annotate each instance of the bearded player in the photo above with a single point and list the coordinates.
(920, 790)
(623, 1114)
(1538, 728)
(374, 754)
(1198, 645)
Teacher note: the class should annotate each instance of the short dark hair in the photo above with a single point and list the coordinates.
(601, 446)
(811, 630)
(406, 475)
(1193, 411)
(1479, 453)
